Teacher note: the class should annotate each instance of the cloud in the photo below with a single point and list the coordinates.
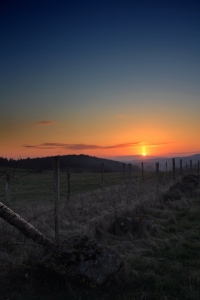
(44, 122)
(79, 147)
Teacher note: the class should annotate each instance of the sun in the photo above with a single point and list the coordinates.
(144, 153)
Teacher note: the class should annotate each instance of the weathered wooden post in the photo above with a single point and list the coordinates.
(142, 165)
(102, 172)
(190, 166)
(198, 167)
(123, 171)
(157, 179)
(181, 168)
(57, 196)
(173, 169)
(68, 185)
(129, 172)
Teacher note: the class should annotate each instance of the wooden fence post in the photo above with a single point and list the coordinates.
(181, 168)
(57, 196)
(129, 172)
(157, 178)
(123, 171)
(68, 185)
(198, 167)
(173, 167)
(102, 169)
(142, 165)
(166, 166)
(190, 166)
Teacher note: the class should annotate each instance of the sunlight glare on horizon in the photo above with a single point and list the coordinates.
(144, 153)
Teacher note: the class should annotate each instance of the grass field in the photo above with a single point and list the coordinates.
(35, 187)
(161, 263)
(30, 186)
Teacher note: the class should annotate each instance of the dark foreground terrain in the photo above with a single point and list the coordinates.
(158, 239)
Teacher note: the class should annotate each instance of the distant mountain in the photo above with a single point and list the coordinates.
(76, 163)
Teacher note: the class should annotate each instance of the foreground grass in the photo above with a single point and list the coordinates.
(162, 263)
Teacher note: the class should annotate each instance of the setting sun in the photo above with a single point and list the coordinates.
(144, 151)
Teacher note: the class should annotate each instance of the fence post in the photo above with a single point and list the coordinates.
(198, 167)
(142, 171)
(57, 196)
(129, 172)
(157, 178)
(173, 167)
(8, 186)
(181, 168)
(123, 171)
(68, 185)
(190, 166)
(102, 170)
(166, 166)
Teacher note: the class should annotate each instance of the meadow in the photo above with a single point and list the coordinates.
(160, 262)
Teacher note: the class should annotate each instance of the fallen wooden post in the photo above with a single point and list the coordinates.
(79, 256)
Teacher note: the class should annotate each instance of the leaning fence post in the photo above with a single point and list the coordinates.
(57, 196)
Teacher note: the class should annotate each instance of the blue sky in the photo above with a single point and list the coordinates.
(99, 72)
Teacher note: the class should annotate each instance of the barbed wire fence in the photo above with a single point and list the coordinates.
(114, 190)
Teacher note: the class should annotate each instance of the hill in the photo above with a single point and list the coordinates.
(78, 163)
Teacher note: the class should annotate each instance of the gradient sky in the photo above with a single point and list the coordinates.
(103, 78)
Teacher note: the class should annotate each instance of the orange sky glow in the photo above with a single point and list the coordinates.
(103, 80)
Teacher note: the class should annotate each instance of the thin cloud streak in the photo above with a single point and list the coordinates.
(79, 147)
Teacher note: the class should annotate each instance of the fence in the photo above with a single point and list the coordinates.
(59, 186)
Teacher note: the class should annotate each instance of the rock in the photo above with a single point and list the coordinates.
(84, 258)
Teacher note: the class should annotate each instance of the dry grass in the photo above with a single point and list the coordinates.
(161, 261)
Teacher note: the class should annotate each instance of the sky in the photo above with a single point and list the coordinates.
(103, 78)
